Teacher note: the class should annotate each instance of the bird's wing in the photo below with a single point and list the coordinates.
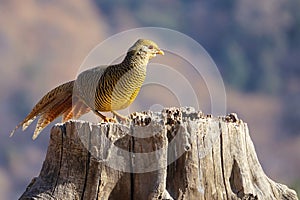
(87, 83)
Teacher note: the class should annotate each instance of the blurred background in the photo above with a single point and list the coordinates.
(255, 44)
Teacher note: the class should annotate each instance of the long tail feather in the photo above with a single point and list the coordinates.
(52, 105)
(55, 111)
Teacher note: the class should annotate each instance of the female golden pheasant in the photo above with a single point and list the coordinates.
(99, 89)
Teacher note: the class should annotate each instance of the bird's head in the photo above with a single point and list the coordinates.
(145, 49)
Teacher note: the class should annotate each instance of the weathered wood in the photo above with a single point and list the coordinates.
(175, 154)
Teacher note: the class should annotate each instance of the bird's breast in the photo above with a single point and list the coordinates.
(127, 87)
(118, 88)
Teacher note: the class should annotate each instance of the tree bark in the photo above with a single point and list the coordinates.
(178, 153)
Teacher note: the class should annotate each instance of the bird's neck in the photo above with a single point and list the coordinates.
(133, 60)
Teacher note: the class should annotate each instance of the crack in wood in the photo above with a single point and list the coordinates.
(98, 188)
(86, 175)
(63, 131)
(222, 159)
(131, 150)
(235, 180)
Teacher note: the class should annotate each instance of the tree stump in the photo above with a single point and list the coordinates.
(178, 153)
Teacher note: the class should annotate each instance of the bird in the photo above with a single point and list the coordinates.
(99, 89)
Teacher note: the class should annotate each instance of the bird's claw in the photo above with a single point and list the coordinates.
(108, 119)
(120, 118)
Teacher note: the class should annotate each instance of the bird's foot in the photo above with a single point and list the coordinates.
(120, 117)
(108, 119)
(104, 118)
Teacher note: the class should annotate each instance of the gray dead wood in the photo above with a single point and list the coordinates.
(178, 153)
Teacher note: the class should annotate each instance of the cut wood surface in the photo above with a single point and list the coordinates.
(178, 153)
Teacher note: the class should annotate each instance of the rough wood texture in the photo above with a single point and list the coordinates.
(214, 158)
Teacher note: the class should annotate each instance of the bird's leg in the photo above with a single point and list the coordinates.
(105, 119)
(119, 116)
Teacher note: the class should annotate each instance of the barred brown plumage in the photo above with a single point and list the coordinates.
(100, 89)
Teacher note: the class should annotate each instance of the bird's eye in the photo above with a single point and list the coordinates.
(150, 47)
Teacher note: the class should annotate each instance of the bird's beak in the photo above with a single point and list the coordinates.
(160, 52)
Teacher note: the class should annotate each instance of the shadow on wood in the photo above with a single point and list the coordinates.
(178, 153)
